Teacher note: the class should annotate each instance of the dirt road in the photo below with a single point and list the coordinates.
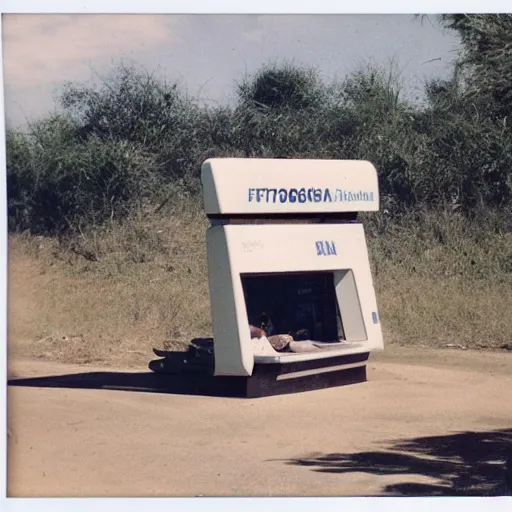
(433, 423)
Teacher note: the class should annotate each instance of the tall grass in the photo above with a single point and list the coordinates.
(112, 293)
(442, 278)
(115, 292)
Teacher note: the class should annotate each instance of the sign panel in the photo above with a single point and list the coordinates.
(266, 186)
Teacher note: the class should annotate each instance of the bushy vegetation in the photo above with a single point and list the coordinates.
(135, 139)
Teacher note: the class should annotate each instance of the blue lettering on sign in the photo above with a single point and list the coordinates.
(310, 195)
(325, 248)
(375, 318)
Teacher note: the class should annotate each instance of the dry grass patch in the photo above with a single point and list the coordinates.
(433, 312)
(101, 300)
(441, 279)
(111, 294)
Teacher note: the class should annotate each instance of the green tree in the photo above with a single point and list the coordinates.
(486, 58)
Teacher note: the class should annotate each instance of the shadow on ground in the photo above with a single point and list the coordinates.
(462, 464)
(147, 382)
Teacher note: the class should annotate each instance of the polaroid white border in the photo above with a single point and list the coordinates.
(261, 7)
(217, 7)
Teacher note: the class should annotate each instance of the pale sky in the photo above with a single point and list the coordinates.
(207, 53)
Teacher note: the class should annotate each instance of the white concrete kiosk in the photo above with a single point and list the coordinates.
(285, 246)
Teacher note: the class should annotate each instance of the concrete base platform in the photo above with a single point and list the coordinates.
(268, 379)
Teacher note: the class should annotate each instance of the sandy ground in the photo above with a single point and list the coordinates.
(426, 423)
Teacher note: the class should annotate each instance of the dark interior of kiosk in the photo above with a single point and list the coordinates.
(303, 305)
